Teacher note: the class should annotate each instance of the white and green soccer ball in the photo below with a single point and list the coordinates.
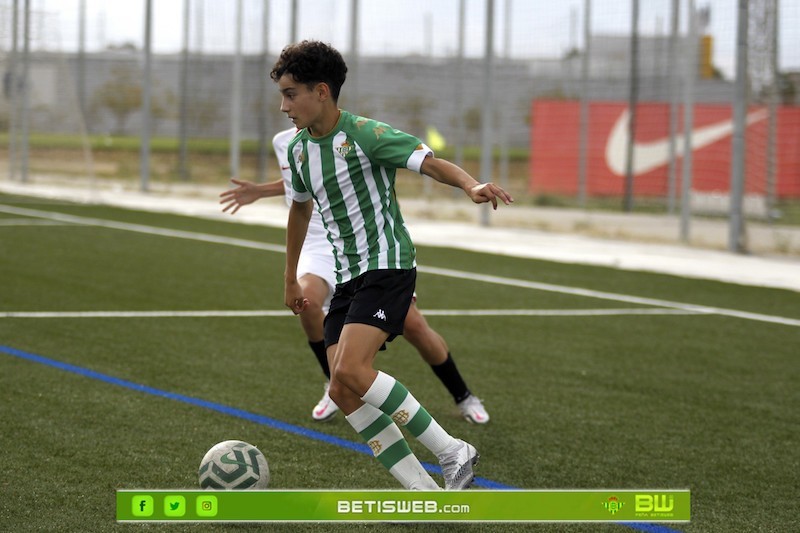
(234, 465)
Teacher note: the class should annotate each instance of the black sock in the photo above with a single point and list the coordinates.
(318, 348)
(449, 375)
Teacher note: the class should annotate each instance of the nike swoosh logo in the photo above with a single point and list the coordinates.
(228, 461)
(650, 155)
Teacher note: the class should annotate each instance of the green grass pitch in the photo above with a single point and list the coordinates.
(632, 396)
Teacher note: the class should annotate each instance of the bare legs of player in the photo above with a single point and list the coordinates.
(316, 290)
(434, 350)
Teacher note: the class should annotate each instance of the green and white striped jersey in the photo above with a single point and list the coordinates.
(350, 174)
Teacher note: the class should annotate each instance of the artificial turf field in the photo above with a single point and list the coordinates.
(594, 377)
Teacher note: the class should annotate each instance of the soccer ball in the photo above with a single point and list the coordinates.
(234, 464)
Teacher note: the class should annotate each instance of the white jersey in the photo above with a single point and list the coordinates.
(316, 257)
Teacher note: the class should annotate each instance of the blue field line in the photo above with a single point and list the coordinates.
(224, 409)
(263, 420)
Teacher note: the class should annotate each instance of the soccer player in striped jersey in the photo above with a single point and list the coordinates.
(316, 273)
(346, 165)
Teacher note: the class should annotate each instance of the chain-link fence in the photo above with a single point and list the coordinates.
(569, 85)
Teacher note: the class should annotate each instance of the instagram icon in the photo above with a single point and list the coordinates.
(207, 506)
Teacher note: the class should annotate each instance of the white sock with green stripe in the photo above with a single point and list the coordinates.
(390, 448)
(391, 397)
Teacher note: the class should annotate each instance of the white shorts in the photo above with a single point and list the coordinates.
(316, 258)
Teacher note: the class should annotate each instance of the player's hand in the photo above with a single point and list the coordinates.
(489, 192)
(293, 297)
(244, 193)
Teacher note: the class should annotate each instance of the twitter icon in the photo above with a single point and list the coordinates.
(174, 506)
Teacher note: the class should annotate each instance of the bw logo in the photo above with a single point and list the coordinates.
(380, 314)
(375, 446)
(658, 503)
(401, 417)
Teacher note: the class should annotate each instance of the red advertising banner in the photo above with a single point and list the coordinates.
(555, 149)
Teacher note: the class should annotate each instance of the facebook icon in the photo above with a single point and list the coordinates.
(142, 505)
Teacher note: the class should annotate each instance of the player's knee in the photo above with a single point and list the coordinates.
(337, 391)
(312, 317)
(343, 397)
(414, 326)
(314, 305)
(345, 374)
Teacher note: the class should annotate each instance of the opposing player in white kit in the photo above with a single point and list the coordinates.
(316, 272)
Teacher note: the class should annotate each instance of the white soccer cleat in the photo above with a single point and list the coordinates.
(473, 411)
(457, 463)
(325, 408)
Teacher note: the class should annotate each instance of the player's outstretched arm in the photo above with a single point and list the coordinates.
(247, 192)
(446, 172)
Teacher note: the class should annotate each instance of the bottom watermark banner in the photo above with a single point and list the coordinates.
(626, 505)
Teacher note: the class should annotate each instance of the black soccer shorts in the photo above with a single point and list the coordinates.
(379, 298)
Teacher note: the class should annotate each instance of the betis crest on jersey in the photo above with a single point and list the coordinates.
(344, 149)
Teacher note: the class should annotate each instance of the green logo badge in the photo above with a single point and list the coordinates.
(142, 505)
(174, 506)
(613, 505)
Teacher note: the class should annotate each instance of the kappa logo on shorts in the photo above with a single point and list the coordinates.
(380, 314)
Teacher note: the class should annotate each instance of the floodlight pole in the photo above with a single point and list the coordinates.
(13, 93)
(772, 125)
(690, 73)
(672, 170)
(236, 95)
(293, 23)
(82, 59)
(583, 149)
(353, 69)
(144, 162)
(264, 90)
(458, 89)
(488, 107)
(183, 157)
(736, 240)
(26, 92)
(504, 119)
(633, 100)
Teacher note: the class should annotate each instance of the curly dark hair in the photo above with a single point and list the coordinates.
(312, 62)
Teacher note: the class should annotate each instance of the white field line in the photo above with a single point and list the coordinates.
(139, 228)
(555, 312)
(30, 222)
(142, 314)
(287, 313)
(459, 274)
(690, 308)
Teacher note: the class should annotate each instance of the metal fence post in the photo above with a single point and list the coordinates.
(736, 238)
(144, 162)
(488, 108)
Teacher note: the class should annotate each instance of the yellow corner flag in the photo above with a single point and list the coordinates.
(435, 139)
